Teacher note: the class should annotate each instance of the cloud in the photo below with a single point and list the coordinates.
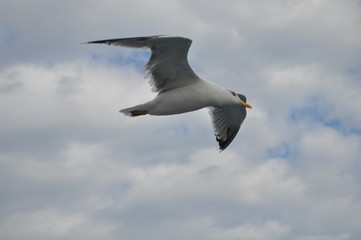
(72, 167)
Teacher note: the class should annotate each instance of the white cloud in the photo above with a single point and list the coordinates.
(72, 167)
(50, 223)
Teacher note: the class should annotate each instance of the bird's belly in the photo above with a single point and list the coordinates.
(176, 102)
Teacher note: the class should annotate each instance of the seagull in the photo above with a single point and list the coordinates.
(180, 90)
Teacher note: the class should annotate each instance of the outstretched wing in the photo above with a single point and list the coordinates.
(226, 122)
(168, 67)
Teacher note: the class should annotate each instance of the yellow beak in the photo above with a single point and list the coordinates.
(245, 104)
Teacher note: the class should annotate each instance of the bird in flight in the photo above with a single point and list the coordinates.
(180, 90)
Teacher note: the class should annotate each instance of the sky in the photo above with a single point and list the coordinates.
(72, 167)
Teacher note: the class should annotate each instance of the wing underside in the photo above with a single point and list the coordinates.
(226, 123)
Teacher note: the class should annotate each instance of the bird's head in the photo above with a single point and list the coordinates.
(241, 99)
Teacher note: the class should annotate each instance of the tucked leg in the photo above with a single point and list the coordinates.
(137, 113)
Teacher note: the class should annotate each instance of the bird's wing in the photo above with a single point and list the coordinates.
(168, 67)
(226, 122)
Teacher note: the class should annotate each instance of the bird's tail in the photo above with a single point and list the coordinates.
(135, 111)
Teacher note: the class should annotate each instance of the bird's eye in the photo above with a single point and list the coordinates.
(233, 93)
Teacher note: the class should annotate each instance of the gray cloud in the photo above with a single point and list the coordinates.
(72, 167)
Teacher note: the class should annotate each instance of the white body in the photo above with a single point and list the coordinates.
(192, 97)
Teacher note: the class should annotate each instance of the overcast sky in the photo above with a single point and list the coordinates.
(72, 167)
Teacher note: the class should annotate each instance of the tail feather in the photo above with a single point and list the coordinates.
(126, 111)
(135, 111)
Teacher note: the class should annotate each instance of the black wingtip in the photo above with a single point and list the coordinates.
(91, 42)
(100, 41)
(222, 144)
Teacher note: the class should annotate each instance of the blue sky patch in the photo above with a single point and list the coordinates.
(282, 150)
(138, 58)
(316, 110)
(8, 35)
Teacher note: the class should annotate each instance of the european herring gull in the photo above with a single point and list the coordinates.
(180, 90)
